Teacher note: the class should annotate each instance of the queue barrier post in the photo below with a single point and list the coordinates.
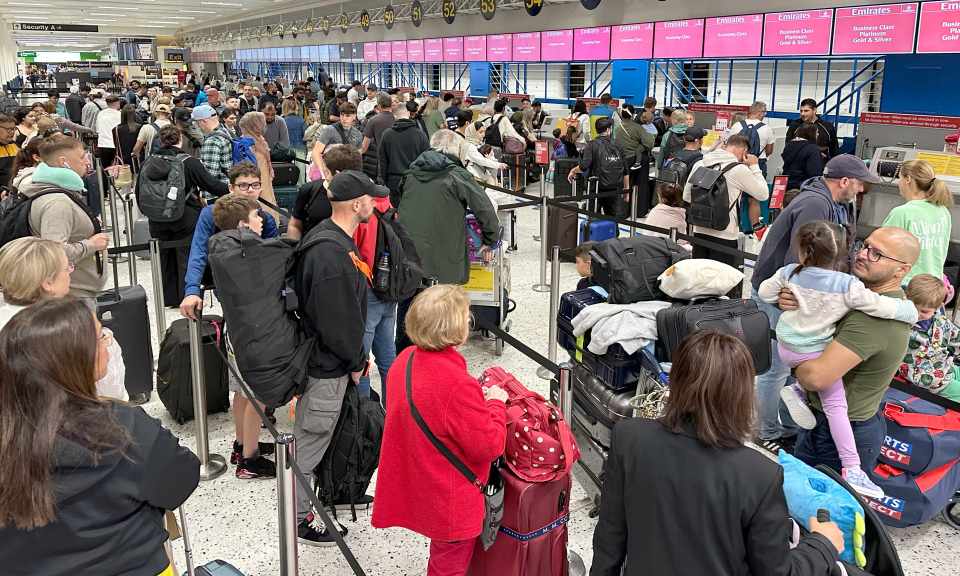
(674, 234)
(128, 216)
(634, 192)
(552, 319)
(103, 194)
(211, 465)
(114, 220)
(286, 450)
(544, 224)
(157, 277)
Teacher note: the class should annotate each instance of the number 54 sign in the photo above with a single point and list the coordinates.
(533, 6)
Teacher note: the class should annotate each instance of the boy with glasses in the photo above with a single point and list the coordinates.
(8, 148)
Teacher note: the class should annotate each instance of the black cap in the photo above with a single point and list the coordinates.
(693, 134)
(342, 94)
(184, 116)
(350, 185)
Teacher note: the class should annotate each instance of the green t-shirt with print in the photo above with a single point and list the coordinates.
(931, 225)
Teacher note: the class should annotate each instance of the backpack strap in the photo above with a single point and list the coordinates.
(343, 135)
(331, 236)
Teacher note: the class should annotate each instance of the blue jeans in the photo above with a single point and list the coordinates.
(817, 447)
(378, 337)
(772, 411)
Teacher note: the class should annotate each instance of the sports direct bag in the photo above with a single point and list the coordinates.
(611, 164)
(910, 499)
(406, 266)
(921, 436)
(709, 198)
(540, 446)
(699, 277)
(161, 187)
(628, 268)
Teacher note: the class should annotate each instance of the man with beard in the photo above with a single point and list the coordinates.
(830, 198)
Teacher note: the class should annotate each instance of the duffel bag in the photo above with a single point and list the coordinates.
(540, 446)
(628, 268)
(921, 436)
(911, 499)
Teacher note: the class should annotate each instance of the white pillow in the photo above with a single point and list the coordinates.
(699, 277)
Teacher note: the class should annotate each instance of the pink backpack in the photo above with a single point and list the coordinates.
(540, 446)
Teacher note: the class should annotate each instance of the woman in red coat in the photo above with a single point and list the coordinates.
(417, 488)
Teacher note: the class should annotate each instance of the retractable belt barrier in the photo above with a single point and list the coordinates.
(523, 348)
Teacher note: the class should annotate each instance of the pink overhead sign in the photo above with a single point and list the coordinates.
(433, 49)
(804, 33)
(632, 41)
(453, 49)
(526, 47)
(939, 27)
(415, 50)
(475, 48)
(678, 39)
(591, 43)
(885, 29)
(369, 51)
(399, 50)
(733, 36)
(556, 46)
(499, 47)
(384, 51)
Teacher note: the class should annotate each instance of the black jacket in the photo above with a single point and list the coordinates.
(400, 145)
(674, 506)
(333, 297)
(826, 135)
(197, 177)
(670, 145)
(74, 105)
(801, 160)
(661, 125)
(109, 514)
(267, 97)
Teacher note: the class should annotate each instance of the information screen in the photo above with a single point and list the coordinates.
(320, 53)
(805, 33)
(499, 47)
(415, 50)
(591, 43)
(433, 50)
(939, 27)
(453, 49)
(632, 41)
(678, 39)
(885, 29)
(369, 51)
(333, 51)
(526, 47)
(733, 36)
(384, 51)
(399, 50)
(556, 46)
(475, 48)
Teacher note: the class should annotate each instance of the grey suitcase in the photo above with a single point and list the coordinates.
(141, 235)
(598, 407)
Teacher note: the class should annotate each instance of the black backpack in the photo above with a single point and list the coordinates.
(354, 452)
(610, 162)
(492, 135)
(157, 144)
(752, 131)
(15, 215)
(629, 268)
(163, 200)
(406, 266)
(674, 172)
(709, 199)
(280, 152)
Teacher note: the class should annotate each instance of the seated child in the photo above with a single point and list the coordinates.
(931, 360)
(646, 121)
(825, 295)
(244, 181)
(584, 266)
(559, 148)
(669, 213)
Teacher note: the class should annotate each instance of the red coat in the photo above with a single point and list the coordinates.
(417, 488)
(365, 236)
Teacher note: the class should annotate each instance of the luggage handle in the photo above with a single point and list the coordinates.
(596, 201)
(187, 549)
(949, 421)
(116, 280)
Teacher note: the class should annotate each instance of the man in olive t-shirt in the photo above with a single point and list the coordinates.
(865, 352)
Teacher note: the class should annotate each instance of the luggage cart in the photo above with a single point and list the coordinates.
(489, 282)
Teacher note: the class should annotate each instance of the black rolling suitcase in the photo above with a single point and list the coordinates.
(561, 169)
(739, 317)
(124, 312)
(174, 381)
(285, 174)
(515, 176)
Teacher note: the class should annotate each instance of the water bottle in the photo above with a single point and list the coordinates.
(382, 278)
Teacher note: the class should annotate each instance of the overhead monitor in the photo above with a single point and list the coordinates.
(887, 29)
(334, 52)
(320, 53)
(499, 47)
(591, 43)
(433, 50)
(369, 51)
(399, 48)
(526, 47)
(415, 50)
(556, 46)
(631, 41)
(356, 51)
(287, 54)
(678, 39)
(939, 27)
(384, 52)
(804, 33)
(453, 49)
(733, 36)
(475, 48)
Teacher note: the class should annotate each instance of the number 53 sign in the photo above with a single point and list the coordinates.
(488, 8)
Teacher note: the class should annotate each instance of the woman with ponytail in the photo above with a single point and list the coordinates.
(926, 215)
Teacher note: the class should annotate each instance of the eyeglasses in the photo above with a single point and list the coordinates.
(9, 128)
(70, 266)
(243, 187)
(875, 255)
(107, 336)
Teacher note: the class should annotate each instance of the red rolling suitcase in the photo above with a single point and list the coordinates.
(533, 533)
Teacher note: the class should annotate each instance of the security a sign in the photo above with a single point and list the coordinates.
(38, 27)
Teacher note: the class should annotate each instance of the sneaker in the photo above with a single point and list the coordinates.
(858, 480)
(312, 534)
(365, 502)
(266, 449)
(251, 468)
(795, 398)
(775, 445)
(140, 398)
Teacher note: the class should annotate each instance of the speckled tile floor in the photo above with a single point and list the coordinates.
(236, 520)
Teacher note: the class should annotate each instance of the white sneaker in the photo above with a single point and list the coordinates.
(795, 399)
(858, 480)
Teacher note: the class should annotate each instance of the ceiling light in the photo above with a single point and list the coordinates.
(162, 22)
(181, 17)
(197, 12)
(101, 14)
(149, 26)
(219, 4)
(116, 8)
(32, 18)
(29, 11)
(34, 4)
(97, 20)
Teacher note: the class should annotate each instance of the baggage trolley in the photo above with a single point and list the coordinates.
(489, 282)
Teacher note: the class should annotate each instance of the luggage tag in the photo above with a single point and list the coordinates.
(599, 290)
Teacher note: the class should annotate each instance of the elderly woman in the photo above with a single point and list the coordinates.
(432, 376)
(252, 125)
(33, 269)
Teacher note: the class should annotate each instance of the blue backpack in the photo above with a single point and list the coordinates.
(751, 131)
(242, 148)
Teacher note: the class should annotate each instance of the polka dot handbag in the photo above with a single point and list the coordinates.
(540, 446)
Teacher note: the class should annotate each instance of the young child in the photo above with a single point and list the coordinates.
(669, 213)
(584, 267)
(559, 148)
(646, 121)
(931, 360)
(244, 181)
(825, 295)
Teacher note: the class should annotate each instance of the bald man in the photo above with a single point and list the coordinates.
(866, 352)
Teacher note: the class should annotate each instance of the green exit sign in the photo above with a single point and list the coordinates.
(26, 54)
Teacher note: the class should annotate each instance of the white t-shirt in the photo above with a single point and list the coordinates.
(147, 134)
(353, 97)
(765, 133)
(107, 120)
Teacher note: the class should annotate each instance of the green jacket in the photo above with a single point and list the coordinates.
(435, 195)
(635, 139)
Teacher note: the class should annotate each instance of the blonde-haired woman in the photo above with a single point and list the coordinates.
(252, 125)
(926, 215)
(432, 116)
(468, 419)
(33, 269)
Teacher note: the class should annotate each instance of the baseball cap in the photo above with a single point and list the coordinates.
(203, 112)
(342, 94)
(350, 185)
(371, 86)
(469, 100)
(162, 108)
(693, 134)
(849, 166)
(183, 116)
(96, 92)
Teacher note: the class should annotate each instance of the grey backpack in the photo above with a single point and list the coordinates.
(163, 200)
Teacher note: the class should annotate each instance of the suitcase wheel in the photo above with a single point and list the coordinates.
(951, 514)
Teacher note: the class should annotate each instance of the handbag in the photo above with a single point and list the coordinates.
(492, 491)
(120, 172)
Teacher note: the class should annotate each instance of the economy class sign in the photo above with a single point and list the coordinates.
(733, 36)
(875, 29)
